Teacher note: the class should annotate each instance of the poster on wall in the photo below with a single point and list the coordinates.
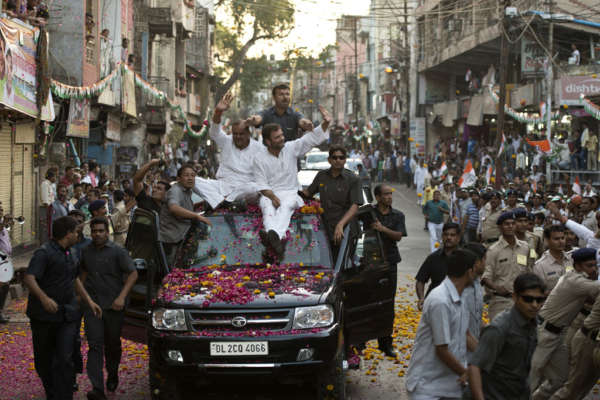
(113, 127)
(79, 118)
(417, 134)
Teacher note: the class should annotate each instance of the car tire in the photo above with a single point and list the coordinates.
(162, 388)
(331, 382)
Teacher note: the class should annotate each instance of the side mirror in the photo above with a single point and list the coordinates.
(140, 264)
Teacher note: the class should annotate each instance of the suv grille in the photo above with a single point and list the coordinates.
(223, 320)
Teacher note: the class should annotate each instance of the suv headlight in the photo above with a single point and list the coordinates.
(313, 317)
(168, 319)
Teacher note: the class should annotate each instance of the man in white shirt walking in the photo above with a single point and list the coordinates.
(275, 172)
(235, 182)
(438, 365)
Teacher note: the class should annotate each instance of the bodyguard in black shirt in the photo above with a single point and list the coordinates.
(434, 267)
(108, 274)
(51, 278)
(390, 223)
(340, 196)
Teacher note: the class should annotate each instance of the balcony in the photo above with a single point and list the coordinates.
(154, 108)
(160, 21)
(164, 16)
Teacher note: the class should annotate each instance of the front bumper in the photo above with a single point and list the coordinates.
(279, 363)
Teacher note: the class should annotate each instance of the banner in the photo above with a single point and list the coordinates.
(113, 127)
(128, 92)
(79, 118)
(543, 145)
(18, 67)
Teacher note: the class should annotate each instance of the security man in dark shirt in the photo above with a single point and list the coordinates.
(390, 223)
(500, 366)
(434, 267)
(108, 274)
(340, 196)
(282, 114)
(51, 278)
(159, 189)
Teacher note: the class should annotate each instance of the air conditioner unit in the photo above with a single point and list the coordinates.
(511, 11)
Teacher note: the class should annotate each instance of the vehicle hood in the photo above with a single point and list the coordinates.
(320, 165)
(248, 286)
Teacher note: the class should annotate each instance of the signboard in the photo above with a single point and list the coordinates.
(571, 87)
(128, 93)
(113, 127)
(532, 57)
(79, 118)
(17, 66)
(417, 134)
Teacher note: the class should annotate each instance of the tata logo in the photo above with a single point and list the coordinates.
(239, 322)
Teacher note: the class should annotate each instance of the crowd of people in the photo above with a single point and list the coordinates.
(524, 246)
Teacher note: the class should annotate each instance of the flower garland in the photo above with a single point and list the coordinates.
(522, 116)
(590, 107)
(65, 91)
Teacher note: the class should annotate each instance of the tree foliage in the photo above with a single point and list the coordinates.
(253, 20)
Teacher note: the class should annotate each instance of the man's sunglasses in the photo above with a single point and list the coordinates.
(531, 299)
(338, 157)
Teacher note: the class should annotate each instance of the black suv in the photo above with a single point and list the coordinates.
(226, 311)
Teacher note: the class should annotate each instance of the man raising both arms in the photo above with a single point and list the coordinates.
(276, 174)
(234, 176)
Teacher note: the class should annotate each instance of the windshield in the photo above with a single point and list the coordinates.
(352, 164)
(316, 158)
(233, 238)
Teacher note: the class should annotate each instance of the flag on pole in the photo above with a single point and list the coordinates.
(488, 174)
(576, 186)
(443, 169)
(501, 150)
(468, 177)
(543, 145)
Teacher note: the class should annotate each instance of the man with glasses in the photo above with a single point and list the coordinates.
(549, 366)
(499, 367)
(234, 185)
(340, 196)
(506, 259)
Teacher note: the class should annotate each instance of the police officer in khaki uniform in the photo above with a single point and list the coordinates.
(584, 363)
(549, 368)
(489, 229)
(506, 259)
(521, 225)
(554, 262)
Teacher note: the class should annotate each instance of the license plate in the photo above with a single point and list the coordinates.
(239, 348)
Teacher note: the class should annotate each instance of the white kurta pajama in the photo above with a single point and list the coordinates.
(234, 176)
(280, 175)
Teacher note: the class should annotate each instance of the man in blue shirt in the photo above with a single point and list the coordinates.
(434, 211)
(282, 114)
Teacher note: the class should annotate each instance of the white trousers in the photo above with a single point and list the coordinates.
(278, 219)
(216, 191)
(420, 188)
(435, 235)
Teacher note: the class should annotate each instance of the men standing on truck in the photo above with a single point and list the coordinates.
(108, 274)
(275, 171)
(234, 177)
(340, 196)
(390, 223)
(177, 214)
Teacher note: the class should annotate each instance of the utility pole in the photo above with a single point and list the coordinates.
(406, 56)
(549, 74)
(504, 51)
(355, 80)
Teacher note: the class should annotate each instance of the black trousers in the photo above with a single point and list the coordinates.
(4, 289)
(53, 356)
(388, 340)
(104, 340)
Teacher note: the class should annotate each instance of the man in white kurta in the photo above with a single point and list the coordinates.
(419, 180)
(275, 172)
(234, 181)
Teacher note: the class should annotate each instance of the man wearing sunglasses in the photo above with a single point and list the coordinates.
(499, 367)
(578, 380)
(340, 196)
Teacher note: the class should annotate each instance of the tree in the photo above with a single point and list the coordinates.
(252, 21)
(254, 76)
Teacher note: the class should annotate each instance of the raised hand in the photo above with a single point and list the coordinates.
(224, 103)
(326, 117)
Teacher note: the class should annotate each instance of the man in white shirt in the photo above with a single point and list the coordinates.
(437, 368)
(47, 194)
(419, 181)
(275, 171)
(235, 182)
(575, 58)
